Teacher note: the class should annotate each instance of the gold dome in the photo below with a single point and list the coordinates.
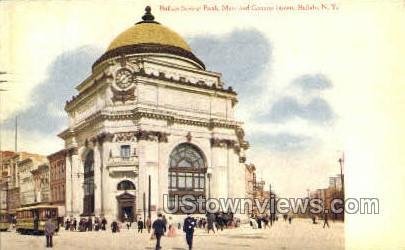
(148, 33)
(149, 36)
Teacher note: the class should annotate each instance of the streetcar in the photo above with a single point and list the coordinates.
(31, 220)
(4, 221)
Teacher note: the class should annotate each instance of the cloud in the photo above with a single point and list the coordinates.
(312, 82)
(286, 108)
(241, 56)
(314, 109)
(47, 114)
(281, 142)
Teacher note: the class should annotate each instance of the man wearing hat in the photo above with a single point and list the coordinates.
(188, 228)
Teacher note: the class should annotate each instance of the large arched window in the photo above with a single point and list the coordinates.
(126, 185)
(187, 168)
(88, 185)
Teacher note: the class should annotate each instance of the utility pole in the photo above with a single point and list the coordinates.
(144, 210)
(149, 197)
(271, 212)
(341, 163)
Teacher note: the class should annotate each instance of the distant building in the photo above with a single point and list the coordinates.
(57, 165)
(40, 177)
(335, 182)
(250, 172)
(26, 179)
(5, 177)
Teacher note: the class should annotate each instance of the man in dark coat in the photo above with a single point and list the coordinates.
(114, 227)
(325, 220)
(140, 225)
(103, 223)
(188, 228)
(49, 231)
(210, 222)
(159, 229)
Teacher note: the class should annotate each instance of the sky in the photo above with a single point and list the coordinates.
(292, 71)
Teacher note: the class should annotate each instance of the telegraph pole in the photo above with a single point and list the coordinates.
(144, 210)
(341, 163)
(271, 212)
(149, 197)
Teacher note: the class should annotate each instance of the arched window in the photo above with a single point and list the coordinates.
(126, 185)
(88, 199)
(187, 168)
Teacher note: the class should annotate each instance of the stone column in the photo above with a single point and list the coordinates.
(142, 178)
(163, 170)
(77, 187)
(68, 185)
(97, 179)
(105, 142)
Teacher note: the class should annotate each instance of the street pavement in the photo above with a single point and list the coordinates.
(301, 234)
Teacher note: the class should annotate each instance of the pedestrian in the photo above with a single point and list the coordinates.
(49, 231)
(140, 225)
(67, 224)
(210, 222)
(159, 229)
(289, 219)
(164, 220)
(172, 229)
(74, 225)
(114, 227)
(266, 220)
(325, 220)
(103, 223)
(89, 224)
(259, 222)
(148, 224)
(188, 228)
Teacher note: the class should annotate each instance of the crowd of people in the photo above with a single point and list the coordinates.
(85, 225)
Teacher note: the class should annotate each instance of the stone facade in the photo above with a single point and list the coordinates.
(40, 177)
(26, 178)
(123, 131)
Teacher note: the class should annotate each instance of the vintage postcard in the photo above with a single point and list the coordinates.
(202, 124)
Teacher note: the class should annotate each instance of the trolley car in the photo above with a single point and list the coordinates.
(4, 221)
(31, 220)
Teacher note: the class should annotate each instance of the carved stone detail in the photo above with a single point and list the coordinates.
(124, 136)
(123, 95)
(152, 136)
(216, 142)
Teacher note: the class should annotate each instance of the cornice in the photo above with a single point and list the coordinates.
(200, 85)
(170, 117)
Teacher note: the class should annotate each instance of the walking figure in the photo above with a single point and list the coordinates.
(140, 225)
(49, 231)
(325, 220)
(210, 222)
(148, 224)
(289, 219)
(159, 229)
(188, 228)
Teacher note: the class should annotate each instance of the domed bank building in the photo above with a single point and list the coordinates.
(150, 113)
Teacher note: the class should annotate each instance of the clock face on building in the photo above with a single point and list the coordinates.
(124, 78)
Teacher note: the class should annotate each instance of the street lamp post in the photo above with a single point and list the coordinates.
(209, 174)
